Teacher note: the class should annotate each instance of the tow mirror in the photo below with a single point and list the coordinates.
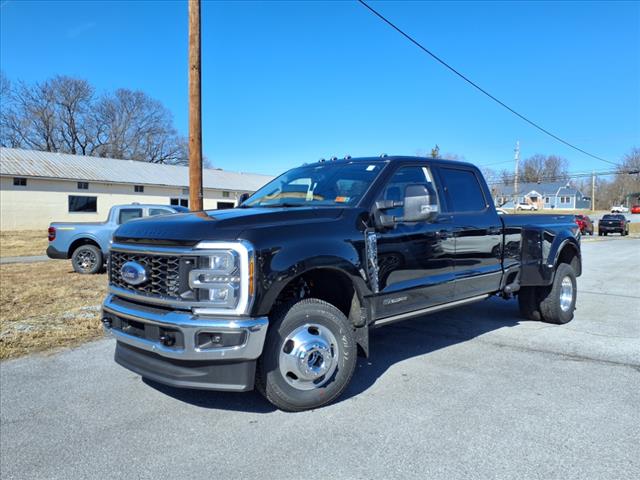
(420, 204)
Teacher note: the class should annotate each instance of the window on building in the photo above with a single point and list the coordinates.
(127, 214)
(463, 190)
(565, 199)
(225, 205)
(547, 200)
(225, 194)
(78, 204)
(83, 185)
(138, 188)
(183, 202)
(19, 181)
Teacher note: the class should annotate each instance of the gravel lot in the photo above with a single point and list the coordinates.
(469, 393)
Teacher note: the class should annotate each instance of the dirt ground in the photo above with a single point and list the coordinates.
(23, 243)
(46, 305)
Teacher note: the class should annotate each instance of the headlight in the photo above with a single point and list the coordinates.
(225, 277)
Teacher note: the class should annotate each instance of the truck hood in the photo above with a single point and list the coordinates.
(191, 228)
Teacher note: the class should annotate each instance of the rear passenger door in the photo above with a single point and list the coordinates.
(477, 230)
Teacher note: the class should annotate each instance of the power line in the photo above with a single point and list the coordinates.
(510, 179)
(478, 87)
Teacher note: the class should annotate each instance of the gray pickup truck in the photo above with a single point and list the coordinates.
(87, 243)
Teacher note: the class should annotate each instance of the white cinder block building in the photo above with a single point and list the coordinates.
(37, 188)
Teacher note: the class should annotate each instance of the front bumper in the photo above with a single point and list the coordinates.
(185, 350)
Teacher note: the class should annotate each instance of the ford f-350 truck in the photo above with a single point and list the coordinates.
(281, 293)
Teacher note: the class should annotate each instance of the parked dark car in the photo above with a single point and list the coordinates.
(614, 223)
(281, 293)
(584, 224)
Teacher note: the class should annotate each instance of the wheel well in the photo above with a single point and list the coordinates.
(78, 243)
(332, 286)
(569, 255)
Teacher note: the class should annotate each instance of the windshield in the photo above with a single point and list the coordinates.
(320, 184)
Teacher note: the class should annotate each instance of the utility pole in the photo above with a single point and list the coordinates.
(516, 157)
(593, 191)
(195, 109)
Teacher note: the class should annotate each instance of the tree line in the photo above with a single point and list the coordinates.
(610, 190)
(67, 115)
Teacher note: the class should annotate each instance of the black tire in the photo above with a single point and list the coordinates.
(528, 303)
(87, 259)
(287, 391)
(553, 304)
(600, 234)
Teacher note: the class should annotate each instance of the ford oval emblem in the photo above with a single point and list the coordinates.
(133, 273)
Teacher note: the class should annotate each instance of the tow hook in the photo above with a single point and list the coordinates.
(106, 322)
(167, 340)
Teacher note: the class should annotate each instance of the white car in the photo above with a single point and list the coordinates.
(526, 206)
(619, 209)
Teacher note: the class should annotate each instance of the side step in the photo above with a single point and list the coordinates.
(424, 311)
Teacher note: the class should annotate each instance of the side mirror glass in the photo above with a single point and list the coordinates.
(420, 203)
(243, 198)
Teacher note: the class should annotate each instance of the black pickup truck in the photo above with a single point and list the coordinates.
(280, 293)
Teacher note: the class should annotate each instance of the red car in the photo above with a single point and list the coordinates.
(635, 209)
(584, 224)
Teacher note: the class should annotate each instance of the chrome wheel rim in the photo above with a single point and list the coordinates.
(86, 260)
(566, 294)
(309, 357)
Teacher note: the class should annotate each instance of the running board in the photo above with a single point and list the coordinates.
(424, 311)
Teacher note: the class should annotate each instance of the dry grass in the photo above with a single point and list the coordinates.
(23, 243)
(46, 305)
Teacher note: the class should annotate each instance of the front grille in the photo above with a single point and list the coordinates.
(167, 275)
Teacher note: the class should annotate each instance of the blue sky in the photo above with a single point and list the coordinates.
(290, 82)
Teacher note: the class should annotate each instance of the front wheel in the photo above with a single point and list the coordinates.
(309, 356)
(87, 259)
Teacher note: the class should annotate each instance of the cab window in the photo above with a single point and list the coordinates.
(127, 214)
(404, 176)
(159, 211)
(464, 192)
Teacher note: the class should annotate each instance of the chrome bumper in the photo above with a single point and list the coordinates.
(190, 326)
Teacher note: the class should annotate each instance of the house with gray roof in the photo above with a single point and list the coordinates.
(548, 195)
(37, 188)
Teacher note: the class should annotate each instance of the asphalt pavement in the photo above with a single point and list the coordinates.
(26, 259)
(469, 393)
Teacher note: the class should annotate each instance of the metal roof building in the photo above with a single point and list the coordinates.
(37, 188)
(32, 163)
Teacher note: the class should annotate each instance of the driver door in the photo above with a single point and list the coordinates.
(415, 260)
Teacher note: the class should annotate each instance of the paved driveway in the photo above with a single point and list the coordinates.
(470, 393)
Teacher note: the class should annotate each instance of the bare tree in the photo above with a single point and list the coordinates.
(541, 168)
(63, 114)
